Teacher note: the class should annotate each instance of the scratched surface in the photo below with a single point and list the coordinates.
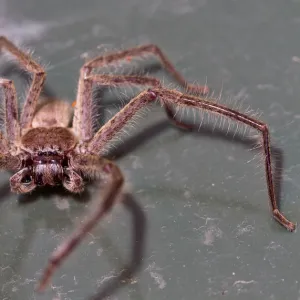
(196, 222)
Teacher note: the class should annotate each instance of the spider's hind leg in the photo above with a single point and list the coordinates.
(37, 82)
(12, 126)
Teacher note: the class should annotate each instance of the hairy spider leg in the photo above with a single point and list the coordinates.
(82, 122)
(115, 124)
(37, 83)
(12, 126)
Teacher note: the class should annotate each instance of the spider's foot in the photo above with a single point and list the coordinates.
(43, 283)
(290, 226)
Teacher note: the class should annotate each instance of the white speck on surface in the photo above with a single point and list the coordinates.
(62, 203)
(296, 59)
(5, 268)
(105, 278)
(75, 281)
(84, 55)
(210, 234)
(242, 229)
(243, 282)
(268, 87)
(168, 175)
(14, 289)
(273, 246)
(242, 286)
(158, 278)
(27, 281)
(136, 162)
(99, 251)
(187, 194)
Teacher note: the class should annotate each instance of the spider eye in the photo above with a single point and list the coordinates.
(27, 179)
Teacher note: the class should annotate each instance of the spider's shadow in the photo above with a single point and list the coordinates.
(139, 139)
(136, 255)
(32, 217)
(137, 240)
(35, 215)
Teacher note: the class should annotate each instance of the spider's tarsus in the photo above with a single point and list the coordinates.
(43, 283)
(290, 226)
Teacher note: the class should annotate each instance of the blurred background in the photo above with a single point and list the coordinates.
(195, 223)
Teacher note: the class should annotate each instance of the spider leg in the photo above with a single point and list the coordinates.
(11, 113)
(8, 161)
(95, 166)
(16, 184)
(82, 115)
(115, 80)
(3, 146)
(37, 81)
(112, 127)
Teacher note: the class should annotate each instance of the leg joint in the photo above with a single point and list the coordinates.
(153, 94)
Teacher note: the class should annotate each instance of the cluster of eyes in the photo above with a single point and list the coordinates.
(47, 153)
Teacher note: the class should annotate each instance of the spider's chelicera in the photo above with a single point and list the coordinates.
(41, 149)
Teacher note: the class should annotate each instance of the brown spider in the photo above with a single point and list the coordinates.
(42, 150)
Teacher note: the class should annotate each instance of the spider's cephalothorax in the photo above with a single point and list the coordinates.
(46, 161)
(42, 150)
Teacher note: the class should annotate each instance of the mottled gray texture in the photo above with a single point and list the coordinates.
(199, 200)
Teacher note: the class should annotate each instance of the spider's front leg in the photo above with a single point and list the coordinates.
(112, 127)
(82, 122)
(93, 167)
(12, 128)
(37, 81)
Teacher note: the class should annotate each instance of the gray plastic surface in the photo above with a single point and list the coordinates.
(197, 224)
